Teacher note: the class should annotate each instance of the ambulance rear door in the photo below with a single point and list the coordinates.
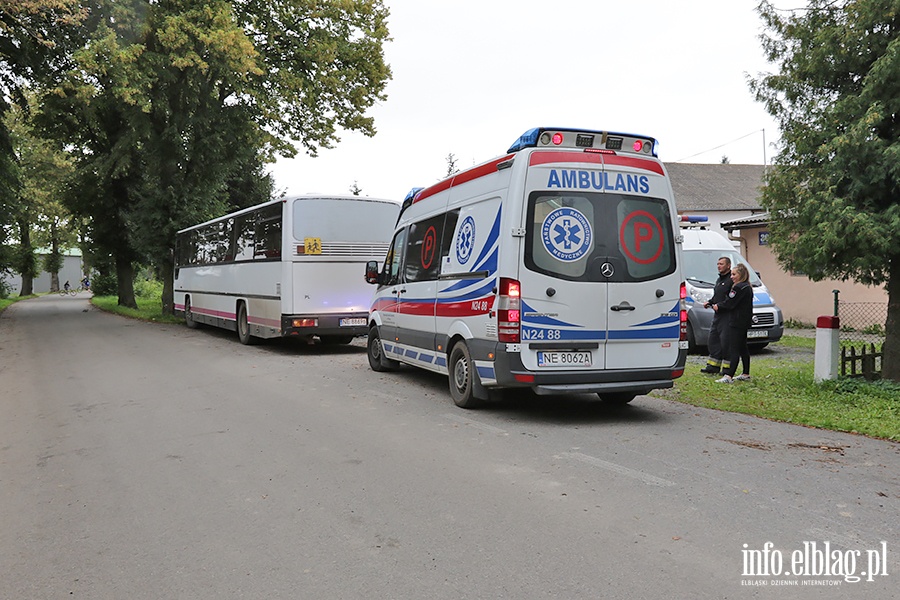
(599, 281)
(644, 281)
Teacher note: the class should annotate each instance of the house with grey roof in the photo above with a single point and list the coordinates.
(722, 192)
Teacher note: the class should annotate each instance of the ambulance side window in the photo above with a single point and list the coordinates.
(390, 273)
(449, 229)
(423, 259)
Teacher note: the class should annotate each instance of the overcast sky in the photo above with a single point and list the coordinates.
(470, 76)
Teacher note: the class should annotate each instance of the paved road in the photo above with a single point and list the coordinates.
(141, 461)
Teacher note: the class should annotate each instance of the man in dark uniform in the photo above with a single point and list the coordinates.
(717, 349)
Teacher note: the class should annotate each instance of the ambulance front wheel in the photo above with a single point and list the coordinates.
(462, 377)
(377, 360)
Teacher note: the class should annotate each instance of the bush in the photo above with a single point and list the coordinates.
(104, 284)
(147, 288)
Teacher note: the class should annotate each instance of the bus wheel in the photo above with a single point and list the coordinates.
(377, 360)
(243, 327)
(462, 384)
(188, 315)
(617, 397)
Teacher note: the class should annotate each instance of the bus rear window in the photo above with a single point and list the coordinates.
(339, 220)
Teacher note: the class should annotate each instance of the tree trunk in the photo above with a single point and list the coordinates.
(54, 250)
(890, 361)
(26, 260)
(166, 273)
(125, 282)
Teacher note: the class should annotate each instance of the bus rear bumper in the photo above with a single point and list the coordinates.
(339, 324)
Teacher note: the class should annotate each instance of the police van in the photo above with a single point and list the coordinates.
(553, 267)
(701, 249)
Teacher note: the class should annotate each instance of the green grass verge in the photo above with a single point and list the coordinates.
(149, 308)
(5, 302)
(784, 390)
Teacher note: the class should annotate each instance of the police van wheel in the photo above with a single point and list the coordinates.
(243, 326)
(188, 315)
(617, 397)
(462, 384)
(375, 351)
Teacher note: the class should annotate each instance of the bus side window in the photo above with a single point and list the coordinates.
(244, 226)
(268, 233)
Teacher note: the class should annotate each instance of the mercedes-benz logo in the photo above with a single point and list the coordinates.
(607, 270)
(755, 320)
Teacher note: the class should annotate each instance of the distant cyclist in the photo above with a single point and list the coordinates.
(86, 283)
(66, 286)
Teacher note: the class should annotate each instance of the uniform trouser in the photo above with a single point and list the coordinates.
(718, 349)
(737, 350)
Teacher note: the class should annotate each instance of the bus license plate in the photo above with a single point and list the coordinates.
(757, 333)
(353, 322)
(564, 359)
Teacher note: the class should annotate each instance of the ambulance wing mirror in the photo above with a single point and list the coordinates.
(372, 272)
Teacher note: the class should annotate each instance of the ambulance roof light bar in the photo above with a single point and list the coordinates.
(604, 142)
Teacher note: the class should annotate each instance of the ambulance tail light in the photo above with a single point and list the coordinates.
(509, 311)
(682, 314)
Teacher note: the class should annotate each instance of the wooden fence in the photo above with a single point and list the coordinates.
(864, 361)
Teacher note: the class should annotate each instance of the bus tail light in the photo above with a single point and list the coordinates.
(683, 313)
(298, 323)
(509, 312)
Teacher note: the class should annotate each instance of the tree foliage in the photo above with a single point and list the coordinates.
(173, 108)
(834, 190)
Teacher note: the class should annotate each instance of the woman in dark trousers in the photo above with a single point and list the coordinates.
(738, 306)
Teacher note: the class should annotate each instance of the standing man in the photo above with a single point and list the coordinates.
(718, 358)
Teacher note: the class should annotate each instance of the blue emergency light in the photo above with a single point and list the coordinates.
(694, 218)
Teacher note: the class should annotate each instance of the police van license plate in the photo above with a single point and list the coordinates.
(564, 359)
(353, 322)
(758, 333)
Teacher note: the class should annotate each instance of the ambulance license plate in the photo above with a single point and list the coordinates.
(353, 322)
(762, 333)
(564, 359)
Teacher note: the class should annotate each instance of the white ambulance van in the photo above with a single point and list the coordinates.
(553, 267)
(701, 249)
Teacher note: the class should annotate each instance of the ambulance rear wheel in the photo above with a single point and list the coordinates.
(377, 360)
(462, 385)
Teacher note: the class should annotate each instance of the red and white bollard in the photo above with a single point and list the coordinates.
(828, 348)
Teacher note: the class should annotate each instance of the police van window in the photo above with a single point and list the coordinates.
(390, 273)
(423, 260)
(572, 236)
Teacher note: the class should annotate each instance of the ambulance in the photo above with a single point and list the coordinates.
(554, 267)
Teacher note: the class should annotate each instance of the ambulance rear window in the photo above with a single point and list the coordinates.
(578, 236)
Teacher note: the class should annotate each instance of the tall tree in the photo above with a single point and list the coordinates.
(34, 38)
(835, 185)
(171, 101)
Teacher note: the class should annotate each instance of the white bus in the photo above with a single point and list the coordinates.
(288, 267)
